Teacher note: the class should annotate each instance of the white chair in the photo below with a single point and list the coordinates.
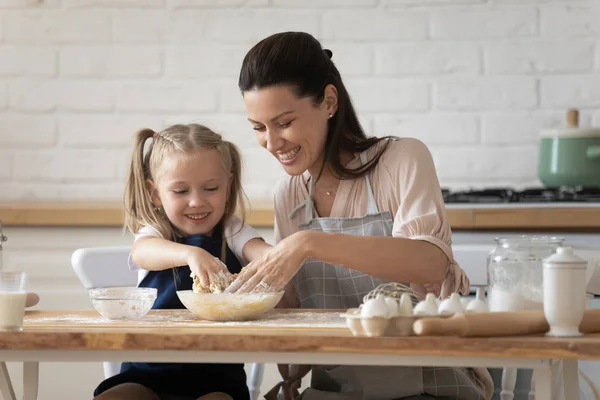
(107, 267)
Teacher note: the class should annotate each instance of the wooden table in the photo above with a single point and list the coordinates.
(282, 336)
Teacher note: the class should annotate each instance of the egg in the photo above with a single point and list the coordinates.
(405, 304)
(451, 305)
(376, 307)
(392, 306)
(428, 306)
(477, 306)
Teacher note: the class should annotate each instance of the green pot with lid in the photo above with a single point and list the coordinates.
(570, 156)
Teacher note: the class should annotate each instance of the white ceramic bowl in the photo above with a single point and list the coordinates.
(123, 302)
(229, 307)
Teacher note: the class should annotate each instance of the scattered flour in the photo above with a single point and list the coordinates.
(184, 318)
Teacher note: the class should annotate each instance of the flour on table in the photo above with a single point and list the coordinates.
(184, 318)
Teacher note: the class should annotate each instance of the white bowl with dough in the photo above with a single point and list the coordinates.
(229, 307)
(123, 302)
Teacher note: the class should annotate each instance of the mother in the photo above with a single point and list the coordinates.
(353, 212)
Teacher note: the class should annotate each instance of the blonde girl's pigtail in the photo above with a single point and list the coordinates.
(235, 200)
(237, 197)
(139, 210)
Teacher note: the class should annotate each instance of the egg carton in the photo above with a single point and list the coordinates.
(383, 326)
(385, 316)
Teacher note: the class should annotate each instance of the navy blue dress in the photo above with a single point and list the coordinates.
(183, 379)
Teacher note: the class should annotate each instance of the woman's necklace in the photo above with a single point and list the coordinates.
(328, 192)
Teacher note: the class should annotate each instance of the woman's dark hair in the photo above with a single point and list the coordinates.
(297, 59)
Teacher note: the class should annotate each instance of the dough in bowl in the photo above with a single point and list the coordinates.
(218, 285)
(221, 282)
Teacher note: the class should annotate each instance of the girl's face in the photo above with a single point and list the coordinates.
(193, 189)
(292, 129)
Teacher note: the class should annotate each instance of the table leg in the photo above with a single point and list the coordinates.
(6, 390)
(256, 378)
(30, 380)
(570, 379)
(509, 380)
(544, 385)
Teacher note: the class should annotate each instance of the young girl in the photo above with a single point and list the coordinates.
(180, 201)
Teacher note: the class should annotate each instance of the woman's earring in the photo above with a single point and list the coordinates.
(330, 115)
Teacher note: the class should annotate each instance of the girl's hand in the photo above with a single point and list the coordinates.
(275, 268)
(206, 267)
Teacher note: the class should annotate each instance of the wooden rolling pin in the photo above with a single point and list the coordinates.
(498, 324)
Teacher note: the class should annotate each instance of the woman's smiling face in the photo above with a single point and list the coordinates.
(293, 129)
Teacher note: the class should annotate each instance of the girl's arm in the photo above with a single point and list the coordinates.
(255, 248)
(157, 254)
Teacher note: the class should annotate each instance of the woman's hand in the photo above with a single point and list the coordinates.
(275, 268)
(206, 267)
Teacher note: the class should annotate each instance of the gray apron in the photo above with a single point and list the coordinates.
(323, 285)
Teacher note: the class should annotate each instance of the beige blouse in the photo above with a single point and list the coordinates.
(404, 183)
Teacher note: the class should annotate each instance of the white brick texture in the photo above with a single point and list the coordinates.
(112, 3)
(126, 61)
(421, 58)
(46, 96)
(520, 128)
(486, 93)
(546, 57)
(27, 132)
(92, 131)
(476, 80)
(488, 164)
(27, 61)
(66, 166)
(171, 96)
(217, 3)
(482, 23)
(446, 129)
(560, 21)
(325, 4)
(373, 25)
(204, 60)
(58, 27)
(24, 4)
(390, 95)
(6, 164)
(571, 91)
(250, 26)
(3, 95)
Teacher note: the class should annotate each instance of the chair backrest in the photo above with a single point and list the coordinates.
(98, 267)
(103, 267)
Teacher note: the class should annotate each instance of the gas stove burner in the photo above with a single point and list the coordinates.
(499, 195)
(528, 195)
(588, 194)
(538, 195)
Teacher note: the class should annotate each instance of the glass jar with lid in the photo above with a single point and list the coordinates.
(515, 272)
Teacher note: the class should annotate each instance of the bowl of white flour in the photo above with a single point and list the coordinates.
(123, 302)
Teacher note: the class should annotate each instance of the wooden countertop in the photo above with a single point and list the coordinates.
(178, 330)
(261, 215)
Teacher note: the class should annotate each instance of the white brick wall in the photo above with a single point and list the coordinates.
(475, 79)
